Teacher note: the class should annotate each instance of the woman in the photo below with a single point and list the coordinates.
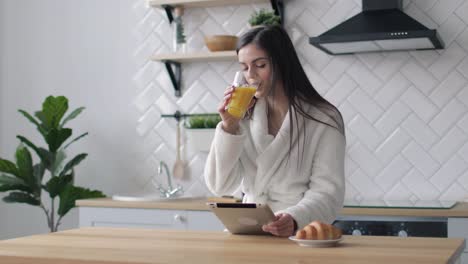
(288, 152)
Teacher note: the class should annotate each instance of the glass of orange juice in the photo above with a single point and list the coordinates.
(241, 97)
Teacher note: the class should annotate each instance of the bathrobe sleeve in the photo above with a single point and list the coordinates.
(324, 198)
(223, 168)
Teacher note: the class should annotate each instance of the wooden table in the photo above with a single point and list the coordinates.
(116, 245)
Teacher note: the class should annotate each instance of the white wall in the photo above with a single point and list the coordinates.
(82, 50)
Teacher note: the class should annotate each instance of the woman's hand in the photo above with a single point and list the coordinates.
(230, 124)
(282, 226)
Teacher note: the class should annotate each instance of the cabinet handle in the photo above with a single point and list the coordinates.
(179, 218)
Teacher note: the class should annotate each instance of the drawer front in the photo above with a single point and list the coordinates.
(130, 217)
(458, 227)
(203, 221)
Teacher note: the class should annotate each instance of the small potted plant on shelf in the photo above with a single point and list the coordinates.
(24, 179)
(200, 130)
(264, 18)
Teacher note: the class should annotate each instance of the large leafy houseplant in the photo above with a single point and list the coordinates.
(23, 180)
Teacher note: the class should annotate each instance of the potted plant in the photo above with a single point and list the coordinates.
(24, 180)
(200, 130)
(264, 17)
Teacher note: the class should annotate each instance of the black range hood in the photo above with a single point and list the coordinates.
(381, 26)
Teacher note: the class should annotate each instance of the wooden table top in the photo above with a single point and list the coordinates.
(118, 245)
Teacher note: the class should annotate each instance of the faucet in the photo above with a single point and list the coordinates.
(170, 191)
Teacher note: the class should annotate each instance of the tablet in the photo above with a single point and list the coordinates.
(243, 218)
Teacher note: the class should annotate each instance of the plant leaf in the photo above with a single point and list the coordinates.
(28, 143)
(25, 163)
(76, 139)
(8, 183)
(53, 110)
(72, 163)
(72, 193)
(56, 137)
(39, 170)
(8, 167)
(29, 117)
(57, 165)
(72, 115)
(56, 184)
(21, 197)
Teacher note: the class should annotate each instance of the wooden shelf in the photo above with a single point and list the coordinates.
(197, 56)
(202, 3)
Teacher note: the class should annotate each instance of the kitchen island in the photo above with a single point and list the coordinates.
(94, 245)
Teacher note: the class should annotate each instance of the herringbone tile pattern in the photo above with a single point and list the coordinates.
(406, 112)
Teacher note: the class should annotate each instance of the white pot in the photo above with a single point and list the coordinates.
(200, 138)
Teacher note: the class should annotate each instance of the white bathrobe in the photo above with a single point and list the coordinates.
(259, 163)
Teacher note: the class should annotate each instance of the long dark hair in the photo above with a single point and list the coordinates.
(287, 69)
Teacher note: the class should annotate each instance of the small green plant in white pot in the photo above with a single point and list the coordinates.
(200, 130)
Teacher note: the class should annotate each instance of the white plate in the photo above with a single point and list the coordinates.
(316, 243)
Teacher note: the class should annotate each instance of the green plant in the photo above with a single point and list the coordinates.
(264, 17)
(203, 121)
(24, 180)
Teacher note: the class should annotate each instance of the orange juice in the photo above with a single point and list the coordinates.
(240, 100)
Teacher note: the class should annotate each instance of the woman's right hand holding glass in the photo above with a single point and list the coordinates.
(230, 124)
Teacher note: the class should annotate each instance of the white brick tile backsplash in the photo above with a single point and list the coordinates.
(453, 193)
(447, 89)
(368, 162)
(392, 118)
(447, 118)
(418, 184)
(362, 182)
(448, 173)
(366, 133)
(406, 112)
(392, 90)
(442, 10)
(420, 77)
(337, 67)
(447, 61)
(340, 90)
(365, 105)
(420, 131)
(424, 5)
(392, 173)
(451, 29)
(463, 67)
(449, 145)
(146, 98)
(420, 159)
(309, 24)
(147, 121)
(398, 192)
(337, 12)
(392, 145)
(390, 65)
(419, 103)
(462, 12)
(365, 78)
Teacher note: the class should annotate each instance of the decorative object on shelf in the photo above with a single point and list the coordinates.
(179, 44)
(24, 180)
(221, 42)
(179, 165)
(264, 17)
(200, 130)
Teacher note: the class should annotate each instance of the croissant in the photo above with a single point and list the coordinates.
(319, 231)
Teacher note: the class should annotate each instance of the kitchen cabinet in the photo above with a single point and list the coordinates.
(149, 218)
(191, 214)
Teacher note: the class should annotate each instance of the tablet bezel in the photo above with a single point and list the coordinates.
(236, 217)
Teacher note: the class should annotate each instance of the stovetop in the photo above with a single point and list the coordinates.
(432, 204)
